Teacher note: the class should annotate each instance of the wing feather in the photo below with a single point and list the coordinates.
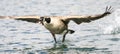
(28, 18)
(33, 19)
(87, 19)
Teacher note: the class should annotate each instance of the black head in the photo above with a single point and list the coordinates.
(48, 20)
(45, 19)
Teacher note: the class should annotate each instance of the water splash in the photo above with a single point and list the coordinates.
(115, 27)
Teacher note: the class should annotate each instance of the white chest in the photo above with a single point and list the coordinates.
(55, 26)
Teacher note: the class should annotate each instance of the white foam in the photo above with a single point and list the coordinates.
(115, 27)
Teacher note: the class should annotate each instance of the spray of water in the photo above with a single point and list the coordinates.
(115, 27)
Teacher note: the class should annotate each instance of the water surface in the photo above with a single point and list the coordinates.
(97, 37)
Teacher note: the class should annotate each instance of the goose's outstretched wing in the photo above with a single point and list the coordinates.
(30, 18)
(87, 19)
(33, 19)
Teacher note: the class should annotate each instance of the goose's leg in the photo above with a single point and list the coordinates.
(64, 35)
(54, 37)
(71, 31)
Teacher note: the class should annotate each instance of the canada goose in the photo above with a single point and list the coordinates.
(59, 24)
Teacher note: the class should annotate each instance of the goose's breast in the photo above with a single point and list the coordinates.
(56, 26)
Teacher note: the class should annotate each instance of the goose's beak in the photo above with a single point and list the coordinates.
(41, 22)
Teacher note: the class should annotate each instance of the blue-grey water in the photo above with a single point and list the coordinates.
(97, 37)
